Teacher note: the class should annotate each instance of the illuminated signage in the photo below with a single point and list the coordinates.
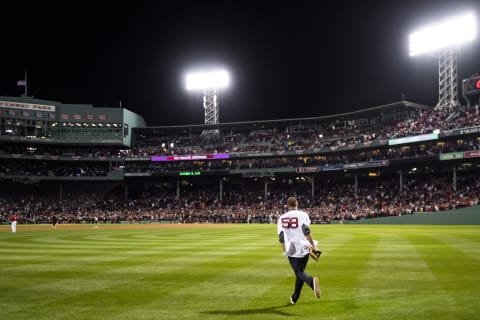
(306, 169)
(471, 86)
(451, 156)
(189, 173)
(191, 157)
(419, 138)
(471, 154)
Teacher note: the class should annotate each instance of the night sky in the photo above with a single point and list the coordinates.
(288, 59)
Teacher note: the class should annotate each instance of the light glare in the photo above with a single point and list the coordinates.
(207, 80)
(450, 32)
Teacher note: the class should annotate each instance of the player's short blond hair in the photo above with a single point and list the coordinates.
(292, 202)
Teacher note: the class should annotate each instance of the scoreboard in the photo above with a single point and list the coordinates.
(471, 86)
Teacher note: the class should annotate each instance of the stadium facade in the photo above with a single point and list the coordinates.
(43, 121)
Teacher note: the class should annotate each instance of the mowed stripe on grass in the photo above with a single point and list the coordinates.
(220, 272)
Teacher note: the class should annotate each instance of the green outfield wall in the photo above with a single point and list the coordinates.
(461, 216)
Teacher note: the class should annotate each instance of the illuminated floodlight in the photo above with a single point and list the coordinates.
(207, 80)
(450, 32)
(443, 41)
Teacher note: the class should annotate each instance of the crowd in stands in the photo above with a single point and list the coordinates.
(20, 167)
(39, 167)
(245, 201)
(98, 168)
(291, 136)
(62, 150)
(398, 152)
(311, 137)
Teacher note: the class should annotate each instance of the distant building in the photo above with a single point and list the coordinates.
(43, 121)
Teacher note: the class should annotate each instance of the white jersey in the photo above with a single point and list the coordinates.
(296, 245)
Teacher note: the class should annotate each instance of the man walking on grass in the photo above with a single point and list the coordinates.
(296, 239)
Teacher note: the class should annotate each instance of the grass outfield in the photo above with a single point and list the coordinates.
(237, 272)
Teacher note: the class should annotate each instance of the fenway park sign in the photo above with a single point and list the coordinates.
(27, 106)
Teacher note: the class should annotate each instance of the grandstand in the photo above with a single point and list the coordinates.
(84, 163)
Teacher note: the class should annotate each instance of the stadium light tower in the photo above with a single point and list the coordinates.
(443, 41)
(209, 82)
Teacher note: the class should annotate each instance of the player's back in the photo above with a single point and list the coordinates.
(291, 224)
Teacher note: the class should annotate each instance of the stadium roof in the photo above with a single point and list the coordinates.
(28, 99)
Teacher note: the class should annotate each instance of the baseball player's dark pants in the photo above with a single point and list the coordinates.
(298, 266)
